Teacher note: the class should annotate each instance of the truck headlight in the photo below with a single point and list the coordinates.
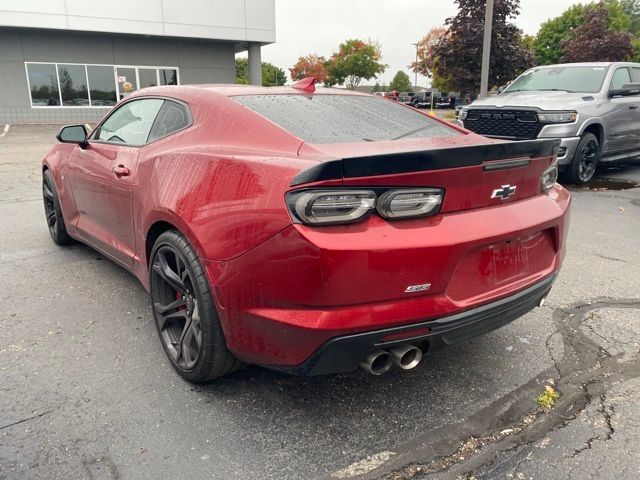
(462, 114)
(557, 117)
(549, 177)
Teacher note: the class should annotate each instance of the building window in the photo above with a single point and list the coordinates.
(79, 85)
(148, 77)
(102, 86)
(126, 75)
(43, 82)
(73, 85)
(168, 76)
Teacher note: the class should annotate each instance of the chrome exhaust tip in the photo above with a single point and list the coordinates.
(377, 362)
(406, 356)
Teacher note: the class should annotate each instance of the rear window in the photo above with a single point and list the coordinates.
(344, 118)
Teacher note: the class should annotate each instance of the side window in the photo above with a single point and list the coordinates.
(620, 77)
(131, 123)
(635, 74)
(171, 118)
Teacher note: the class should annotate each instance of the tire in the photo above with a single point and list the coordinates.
(52, 211)
(185, 313)
(585, 161)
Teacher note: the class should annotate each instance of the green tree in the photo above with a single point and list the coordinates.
(271, 75)
(310, 66)
(632, 9)
(355, 60)
(459, 53)
(376, 88)
(401, 82)
(428, 60)
(242, 71)
(635, 43)
(595, 40)
(547, 47)
(527, 41)
(443, 83)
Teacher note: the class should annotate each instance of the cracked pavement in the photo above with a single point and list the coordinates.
(86, 392)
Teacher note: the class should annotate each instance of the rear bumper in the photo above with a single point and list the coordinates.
(344, 354)
(284, 300)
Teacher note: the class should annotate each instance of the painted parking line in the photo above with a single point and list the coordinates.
(5, 130)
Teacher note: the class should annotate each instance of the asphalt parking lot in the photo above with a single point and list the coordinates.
(86, 391)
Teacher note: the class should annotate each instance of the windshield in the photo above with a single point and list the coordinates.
(344, 118)
(566, 79)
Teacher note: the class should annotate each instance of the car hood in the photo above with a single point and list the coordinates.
(541, 100)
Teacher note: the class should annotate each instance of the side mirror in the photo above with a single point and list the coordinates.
(627, 90)
(73, 134)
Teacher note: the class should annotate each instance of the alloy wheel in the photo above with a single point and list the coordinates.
(49, 207)
(176, 307)
(588, 160)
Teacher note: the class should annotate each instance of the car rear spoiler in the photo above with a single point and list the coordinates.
(438, 159)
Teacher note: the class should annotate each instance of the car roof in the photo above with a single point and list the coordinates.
(232, 90)
(584, 64)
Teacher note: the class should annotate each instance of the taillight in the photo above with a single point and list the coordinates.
(340, 207)
(405, 204)
(331, 207)
(549, 177)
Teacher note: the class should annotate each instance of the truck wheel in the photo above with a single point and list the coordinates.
(584, 162)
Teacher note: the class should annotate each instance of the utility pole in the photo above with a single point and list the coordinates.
(486, 49)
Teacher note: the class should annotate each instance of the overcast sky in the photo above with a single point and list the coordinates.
(304, 27)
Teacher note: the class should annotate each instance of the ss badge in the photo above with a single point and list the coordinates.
(417, 288)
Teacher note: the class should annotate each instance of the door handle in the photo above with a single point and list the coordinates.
(121, 171)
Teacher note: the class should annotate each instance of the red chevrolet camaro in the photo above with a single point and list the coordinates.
(309, 231)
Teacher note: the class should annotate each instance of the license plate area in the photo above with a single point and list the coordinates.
(507, 260)
(502, 266)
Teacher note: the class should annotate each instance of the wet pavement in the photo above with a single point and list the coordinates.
(86, 391)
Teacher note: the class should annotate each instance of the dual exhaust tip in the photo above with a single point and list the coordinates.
(380, 361)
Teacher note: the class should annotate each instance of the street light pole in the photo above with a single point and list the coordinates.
(415, 87)
(486, 49)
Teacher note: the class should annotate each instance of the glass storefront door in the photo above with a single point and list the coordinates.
(124, 76)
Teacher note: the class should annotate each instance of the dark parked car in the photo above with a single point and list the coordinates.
(421, 100)
(405, 98)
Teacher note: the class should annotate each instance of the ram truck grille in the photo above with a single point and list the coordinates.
(508, 124)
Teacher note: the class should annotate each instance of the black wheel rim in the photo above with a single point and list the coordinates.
(588, 160)
(49, 207)
(176, 307)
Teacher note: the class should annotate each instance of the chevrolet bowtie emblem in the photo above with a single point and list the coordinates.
(504, 192)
